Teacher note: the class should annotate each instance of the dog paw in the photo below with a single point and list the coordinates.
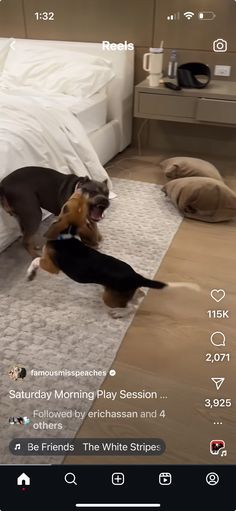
(32, 269)
(139, 295)
(115, 314)
(120, 312)
(30, 275)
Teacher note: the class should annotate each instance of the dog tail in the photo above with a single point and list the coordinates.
(156, 284)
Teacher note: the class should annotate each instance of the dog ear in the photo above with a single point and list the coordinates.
(56, 228)
(105, 185)
(81, 181)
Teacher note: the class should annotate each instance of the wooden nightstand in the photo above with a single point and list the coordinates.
(216, 104)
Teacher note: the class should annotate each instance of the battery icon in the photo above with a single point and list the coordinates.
(206, 15)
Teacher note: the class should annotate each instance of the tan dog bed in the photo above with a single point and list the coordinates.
(189, 167)
(203, 196)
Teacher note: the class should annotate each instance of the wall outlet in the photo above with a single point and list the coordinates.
(222, 71)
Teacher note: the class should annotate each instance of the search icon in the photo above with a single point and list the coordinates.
(70, 478)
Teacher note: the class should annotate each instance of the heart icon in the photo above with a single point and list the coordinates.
(217, 294)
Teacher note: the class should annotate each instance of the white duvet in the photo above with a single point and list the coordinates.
(38, 130)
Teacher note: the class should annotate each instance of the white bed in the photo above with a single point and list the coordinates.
(92, 112)
(72, 134)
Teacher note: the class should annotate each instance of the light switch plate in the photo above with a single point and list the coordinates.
(222, 70)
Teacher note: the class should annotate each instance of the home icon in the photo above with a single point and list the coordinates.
(23, 480)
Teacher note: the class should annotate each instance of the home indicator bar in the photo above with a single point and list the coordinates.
(118, 505)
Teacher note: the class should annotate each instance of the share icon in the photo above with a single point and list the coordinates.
(218, 382)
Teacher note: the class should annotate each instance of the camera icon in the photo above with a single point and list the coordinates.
(220, 46)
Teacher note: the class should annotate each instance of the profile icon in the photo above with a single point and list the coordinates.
(212, 479)
(17, 373)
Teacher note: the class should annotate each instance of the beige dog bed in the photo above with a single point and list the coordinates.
(197, 190)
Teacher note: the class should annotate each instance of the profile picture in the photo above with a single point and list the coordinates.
(22, 421)
(17, 373)
(12, 420)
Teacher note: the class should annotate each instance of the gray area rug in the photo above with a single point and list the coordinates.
(53, 323)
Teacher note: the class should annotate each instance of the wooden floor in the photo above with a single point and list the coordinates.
(165, 347)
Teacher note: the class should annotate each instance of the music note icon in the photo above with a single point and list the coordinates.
(224, 453)
(17, 447)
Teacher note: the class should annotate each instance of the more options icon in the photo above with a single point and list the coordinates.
(165, 478)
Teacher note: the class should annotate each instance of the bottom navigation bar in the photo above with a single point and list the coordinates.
(86, 486)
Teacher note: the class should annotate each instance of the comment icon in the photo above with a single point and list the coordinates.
(218, 339)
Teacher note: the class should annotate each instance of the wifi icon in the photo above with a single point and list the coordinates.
(188, 15)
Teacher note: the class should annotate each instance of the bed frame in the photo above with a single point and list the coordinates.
(116, 134)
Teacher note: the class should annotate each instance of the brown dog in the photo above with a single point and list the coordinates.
(76, 214)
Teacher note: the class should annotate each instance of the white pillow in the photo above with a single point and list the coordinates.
(55, 70)
(4, 49)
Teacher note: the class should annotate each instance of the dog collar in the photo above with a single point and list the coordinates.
(68, 237)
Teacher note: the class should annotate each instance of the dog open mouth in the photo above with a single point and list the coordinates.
(97, 208)
(96, 212)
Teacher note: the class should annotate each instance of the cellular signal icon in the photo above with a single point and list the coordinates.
(174, 17)
(189, 15)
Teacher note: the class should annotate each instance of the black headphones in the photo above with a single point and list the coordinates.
(186, 76)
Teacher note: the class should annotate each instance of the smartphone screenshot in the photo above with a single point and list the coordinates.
(117, 254)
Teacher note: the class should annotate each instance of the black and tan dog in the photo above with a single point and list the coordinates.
(88, 266)
(25, 191)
